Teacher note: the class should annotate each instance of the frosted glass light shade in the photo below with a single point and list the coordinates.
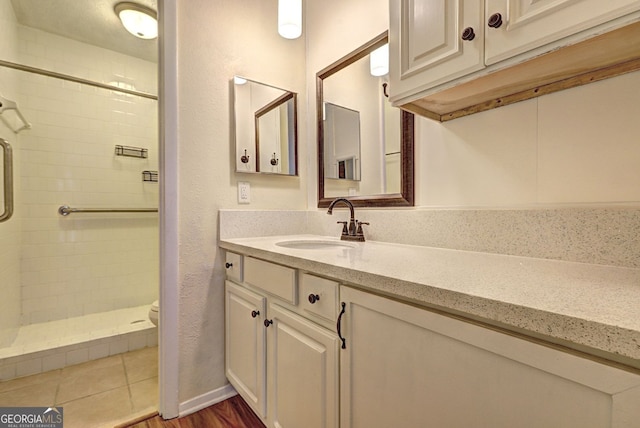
(138, 20)
(290, 18)
(379, 61)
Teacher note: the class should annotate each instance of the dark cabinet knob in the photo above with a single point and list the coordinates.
(468, 34)
(267, 323)
(228, 265)
(255, 314)
(495, 20)
(313, 298)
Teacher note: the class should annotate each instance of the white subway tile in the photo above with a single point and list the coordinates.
(29, 367)
(55, 361)
(77, 356)
(119, 346)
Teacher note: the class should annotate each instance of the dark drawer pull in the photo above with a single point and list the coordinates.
(255, 314)
(267, 323)
(228, 265)
(339, 326)
(313, 298)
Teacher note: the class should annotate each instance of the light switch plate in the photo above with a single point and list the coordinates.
(244, 192)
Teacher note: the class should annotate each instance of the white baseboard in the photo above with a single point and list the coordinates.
(206, 400)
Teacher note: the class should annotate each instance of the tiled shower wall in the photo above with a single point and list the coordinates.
(9, 230)
(85, 263)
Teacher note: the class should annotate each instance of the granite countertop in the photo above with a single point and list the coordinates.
(593, 308)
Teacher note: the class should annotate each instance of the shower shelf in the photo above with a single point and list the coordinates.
(133, 152)
(151, 176)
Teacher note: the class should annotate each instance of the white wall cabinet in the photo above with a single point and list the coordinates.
(405, 366)
(530, 24)
(426, 45)
(438, 45)
(281, 356)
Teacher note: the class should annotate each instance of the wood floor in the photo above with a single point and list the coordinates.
(231, 413)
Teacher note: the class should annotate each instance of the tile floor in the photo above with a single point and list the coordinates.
(99, 393)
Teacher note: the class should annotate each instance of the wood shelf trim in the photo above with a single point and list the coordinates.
(601, 57)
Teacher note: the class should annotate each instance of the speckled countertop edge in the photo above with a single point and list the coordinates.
(594, 306)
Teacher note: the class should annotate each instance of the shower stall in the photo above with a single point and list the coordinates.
(79, 173)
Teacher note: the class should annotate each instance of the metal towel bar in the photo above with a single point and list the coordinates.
(8, 180)
(66, 210)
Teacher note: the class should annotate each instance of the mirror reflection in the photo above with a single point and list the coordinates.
(265, 128)
(341, 142)
(365, 145)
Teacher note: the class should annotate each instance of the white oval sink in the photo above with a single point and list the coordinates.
(314, 244)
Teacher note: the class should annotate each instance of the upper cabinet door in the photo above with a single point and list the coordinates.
(529, 24)
(428, 34)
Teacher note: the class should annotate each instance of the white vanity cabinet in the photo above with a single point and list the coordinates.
(302, 372)
(281, 354)
(407, 366)
(442, 52)
(245, 345)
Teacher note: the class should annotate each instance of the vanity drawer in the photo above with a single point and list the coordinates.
(319, 296)
(233, 264)
(274, 279)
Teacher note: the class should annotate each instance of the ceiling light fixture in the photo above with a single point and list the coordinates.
(290, 18)
(139, 20)
(379, 61)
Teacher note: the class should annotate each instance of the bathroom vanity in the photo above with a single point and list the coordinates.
(326, 333)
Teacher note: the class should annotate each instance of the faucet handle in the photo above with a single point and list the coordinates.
(360, 223)
(344, 227)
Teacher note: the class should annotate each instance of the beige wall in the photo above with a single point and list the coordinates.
(217, 40)
(578, 146)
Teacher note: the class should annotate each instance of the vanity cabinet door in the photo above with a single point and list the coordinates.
(527, 25)
(406, 366)
(245, 350)
(426, 45)
(302, 372)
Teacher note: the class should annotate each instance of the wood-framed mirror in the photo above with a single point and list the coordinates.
(266, 128)
(383, 159)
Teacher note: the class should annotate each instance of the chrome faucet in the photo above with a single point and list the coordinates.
(354, 231)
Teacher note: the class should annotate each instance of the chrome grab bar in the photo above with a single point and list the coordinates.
(8, 181)
(65, 210)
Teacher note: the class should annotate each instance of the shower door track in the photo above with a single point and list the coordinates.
(70, 78)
